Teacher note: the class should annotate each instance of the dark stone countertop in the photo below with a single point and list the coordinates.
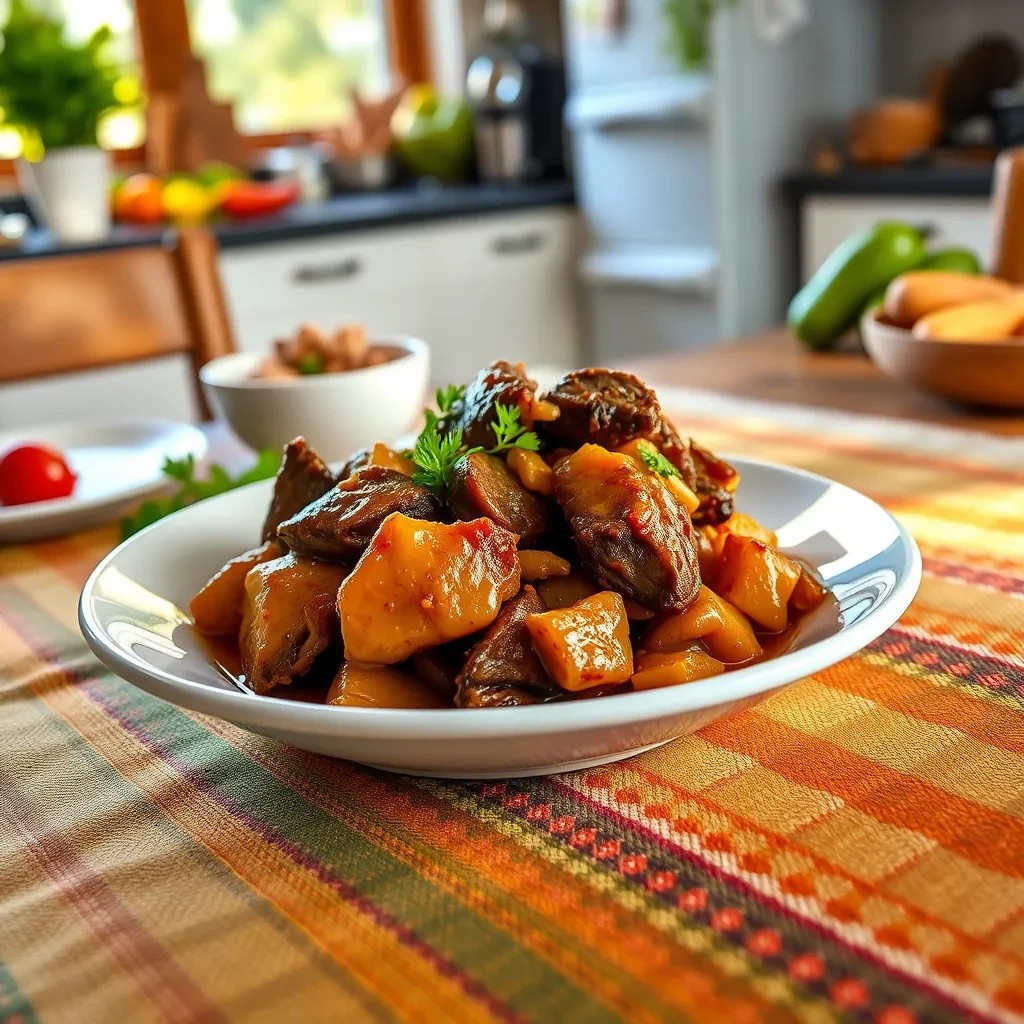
(945, 181)
(340, 214)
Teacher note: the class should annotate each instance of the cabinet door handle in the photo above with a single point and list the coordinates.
(311, 273)
(516, 245)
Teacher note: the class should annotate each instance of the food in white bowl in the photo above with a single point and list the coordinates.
(335, 412)
(311, 351)
(454, 609)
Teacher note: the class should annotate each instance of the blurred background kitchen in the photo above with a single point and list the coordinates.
(561, 183)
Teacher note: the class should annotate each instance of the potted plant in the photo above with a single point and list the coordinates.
(54, 92)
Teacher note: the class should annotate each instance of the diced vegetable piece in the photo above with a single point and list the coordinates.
(758, 580)
(542, 565)
(585, 645)
(562, 591)
(533, 472)
(746, 526)
(637, 449)
(808, 594)
(382, 455)
(364, 686)
(421, 584)
(217, 608)
(685, 666)
(723, 628)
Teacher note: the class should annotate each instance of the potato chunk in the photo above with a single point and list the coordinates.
(686, 666)
(217, 608)
(586, 644)
(421, 584)
(723, 628)
(542, 565)
(758, 580)
(364, 686)
(808, 594)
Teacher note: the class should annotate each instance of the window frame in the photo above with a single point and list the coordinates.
(162, 30)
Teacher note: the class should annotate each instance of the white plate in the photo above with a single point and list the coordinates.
(118, 462)
(131, 615)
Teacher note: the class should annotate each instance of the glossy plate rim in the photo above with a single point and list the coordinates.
(464, 723)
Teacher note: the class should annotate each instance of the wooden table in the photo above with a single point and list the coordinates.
(773, 367)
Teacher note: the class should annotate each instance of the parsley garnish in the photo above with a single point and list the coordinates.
(191, 490)
(436, 454)
(447, 397)
(510, 433)
(654, 460)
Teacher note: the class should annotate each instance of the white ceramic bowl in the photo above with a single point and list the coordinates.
(336, 412)
(130, 613)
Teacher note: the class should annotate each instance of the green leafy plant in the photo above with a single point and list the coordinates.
(190, 489)
(689, 25)
(53, 91)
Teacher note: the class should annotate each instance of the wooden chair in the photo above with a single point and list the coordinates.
(62, 314)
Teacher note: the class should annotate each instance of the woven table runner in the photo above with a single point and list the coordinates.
(850, 849)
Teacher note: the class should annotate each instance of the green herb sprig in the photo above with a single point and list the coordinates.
(655, 461)
(191, 489)
(436, 455)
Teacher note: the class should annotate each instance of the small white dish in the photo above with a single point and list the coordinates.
(131, 615)
(337, 413)
(117, 462)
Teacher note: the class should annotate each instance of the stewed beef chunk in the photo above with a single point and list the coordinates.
(502, 669)
(339, 526)
(302, 478)
(715, 480)
(604, 407)
(630, 531)
(290, 618)
(502, 382)
(678, 451)
(483, 486)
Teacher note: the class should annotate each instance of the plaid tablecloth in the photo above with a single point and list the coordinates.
(852, 848)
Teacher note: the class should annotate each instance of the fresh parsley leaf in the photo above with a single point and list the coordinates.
(435, 457)
(447, 397)
(509, 431)
(191, 490)
(654, 460)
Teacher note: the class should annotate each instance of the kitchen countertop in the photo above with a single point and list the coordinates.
(962, 181)
(337, 215)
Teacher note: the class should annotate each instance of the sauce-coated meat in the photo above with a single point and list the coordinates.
(422, 584)
(502, 669)
(290, 619)
(302, 478)
(500, 382)
(605, 407)
(483, 486)
(339, 525)
(630, 532)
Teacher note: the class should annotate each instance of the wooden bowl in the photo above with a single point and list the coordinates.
(982, 373)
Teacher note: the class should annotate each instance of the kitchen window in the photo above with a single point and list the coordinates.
(285, 65)
(289, 64)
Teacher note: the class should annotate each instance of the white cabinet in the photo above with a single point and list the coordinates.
(502, 288)
(477, 289)
(826, 221)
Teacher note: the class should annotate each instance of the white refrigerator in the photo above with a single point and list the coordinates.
(687, 237)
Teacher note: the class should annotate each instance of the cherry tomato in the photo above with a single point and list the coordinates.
(33, 472)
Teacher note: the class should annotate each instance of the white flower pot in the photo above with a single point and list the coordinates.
(69, 192)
